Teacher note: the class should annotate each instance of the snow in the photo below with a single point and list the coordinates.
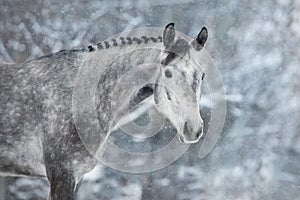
(255, 45)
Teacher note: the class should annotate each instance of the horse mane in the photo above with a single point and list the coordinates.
(121, 41)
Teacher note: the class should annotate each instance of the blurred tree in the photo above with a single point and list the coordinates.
(254, 44)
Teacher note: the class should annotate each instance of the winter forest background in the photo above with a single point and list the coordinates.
(255, 45)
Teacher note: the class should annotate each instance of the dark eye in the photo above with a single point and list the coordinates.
(168, 73)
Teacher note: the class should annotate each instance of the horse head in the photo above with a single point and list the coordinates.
(178, 84)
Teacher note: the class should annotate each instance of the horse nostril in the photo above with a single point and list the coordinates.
(198, 134)
(185, 129)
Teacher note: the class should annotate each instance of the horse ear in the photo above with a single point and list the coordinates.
(169, 35)
(199, 42)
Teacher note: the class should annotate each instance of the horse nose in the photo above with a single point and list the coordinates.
(187, 128)
(196, 128)
(191, 133)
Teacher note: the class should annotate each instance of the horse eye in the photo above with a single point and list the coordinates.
(168, 73)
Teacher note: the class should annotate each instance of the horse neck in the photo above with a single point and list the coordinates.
(110, 65)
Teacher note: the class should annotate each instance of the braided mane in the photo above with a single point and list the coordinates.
(121, 41)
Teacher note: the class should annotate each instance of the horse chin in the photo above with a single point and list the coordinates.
(192, 141)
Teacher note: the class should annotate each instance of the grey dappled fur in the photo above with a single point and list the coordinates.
(38, 136)
(37, 132)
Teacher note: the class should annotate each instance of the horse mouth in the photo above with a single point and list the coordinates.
(183, 139)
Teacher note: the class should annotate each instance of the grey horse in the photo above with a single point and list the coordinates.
(38, 136)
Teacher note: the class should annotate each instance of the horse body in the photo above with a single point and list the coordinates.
(38, 136)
